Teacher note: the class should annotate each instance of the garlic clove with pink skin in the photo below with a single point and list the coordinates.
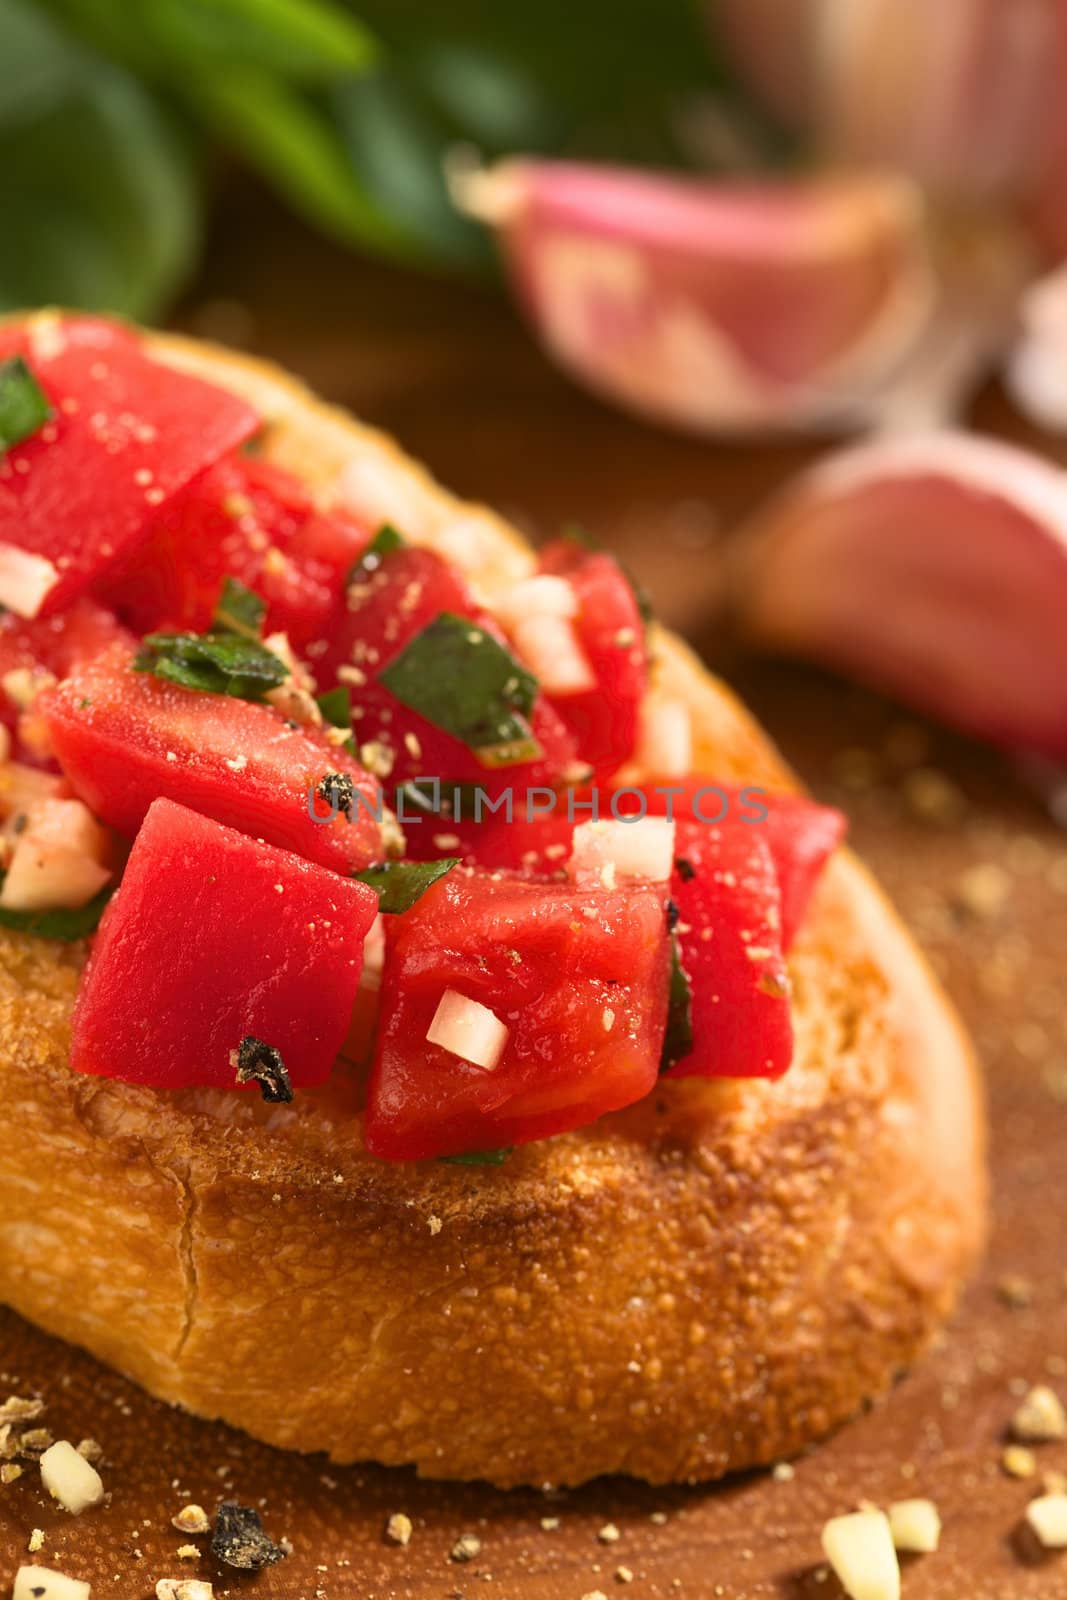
(1036, 373)
(960, 94)
(717, 308)
(932, 567)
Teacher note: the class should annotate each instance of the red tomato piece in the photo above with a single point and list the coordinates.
(611, 632)
(124, 738)
(54, 646)
(127, 434)
(249, 520)
(801, 835)
(214, 937)
(730, 947)
(579, 980)
(384, 612)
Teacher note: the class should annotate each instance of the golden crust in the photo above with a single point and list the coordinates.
(704, 1282)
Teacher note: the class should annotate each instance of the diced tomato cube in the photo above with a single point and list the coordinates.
(611, 632)
(577, 978)
(52, 647)
(246, 519)
(127, 433)
(123, 738)
(385, 611)
(730, 947)
(800, 834)
(211, 939)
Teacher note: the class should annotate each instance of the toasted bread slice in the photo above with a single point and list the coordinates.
(706, 1281)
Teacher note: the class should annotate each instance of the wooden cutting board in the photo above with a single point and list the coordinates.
(449, 370)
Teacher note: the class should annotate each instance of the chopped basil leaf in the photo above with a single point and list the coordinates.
(239, 610)
(467, 683)
(480, 1158)
(336, 706)
(384, 541)
(214, 663)
(63, 922)
(23, 407)
(401, 883)
(261, 1063)
(678, 1039)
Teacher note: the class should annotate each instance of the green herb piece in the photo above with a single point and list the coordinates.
(480, 1158)
(23, 406)
(64, 922)
(384, 542)
(468, 684)
(678, 1039)
(239, 610)
(214, 663)
(336, 706)
(401, 883)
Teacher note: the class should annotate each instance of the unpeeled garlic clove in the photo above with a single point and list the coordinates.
(718, 308)
(933, 567)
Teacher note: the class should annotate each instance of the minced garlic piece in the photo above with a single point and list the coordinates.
(1040, 1418)
(399, 1528)
(1047, 1516)
(191, 1519)
(70, 1479)
(41, 1583)
(184, 1589)
(859, 1547)
(915, 1525)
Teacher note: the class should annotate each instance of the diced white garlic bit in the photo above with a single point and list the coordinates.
(467, 1029)
(665, 736)
(70, 1479)
(1041, 1417)
(1047, 1516)
(57, 860)
(25, 580)
(184, 1589)
(915, 1526)
(605, 853)
(859, 1547)
(41, 1583)
(550, 647)
(541, 596)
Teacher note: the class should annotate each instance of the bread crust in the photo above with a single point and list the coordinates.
(702, 1283)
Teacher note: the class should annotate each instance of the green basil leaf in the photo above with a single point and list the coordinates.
(239, 610)
(384, 541)
(467, 683)
(98, 193)
(23, 406)
(480, 1158)
(309, 40)
(678, 1039)
(63, 923)
(401, 883)
(214, 663)
(336, 706)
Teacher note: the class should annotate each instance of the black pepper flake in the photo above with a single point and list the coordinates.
(239, 1539)
(672, 916)
(261, 1063)
(336, 789)
(685, 869)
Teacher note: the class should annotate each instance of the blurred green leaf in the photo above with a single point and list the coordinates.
(97, 192)
(397, 146)
(291, 142)
(303, 39)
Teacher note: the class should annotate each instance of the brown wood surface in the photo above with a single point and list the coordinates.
(449, 369)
